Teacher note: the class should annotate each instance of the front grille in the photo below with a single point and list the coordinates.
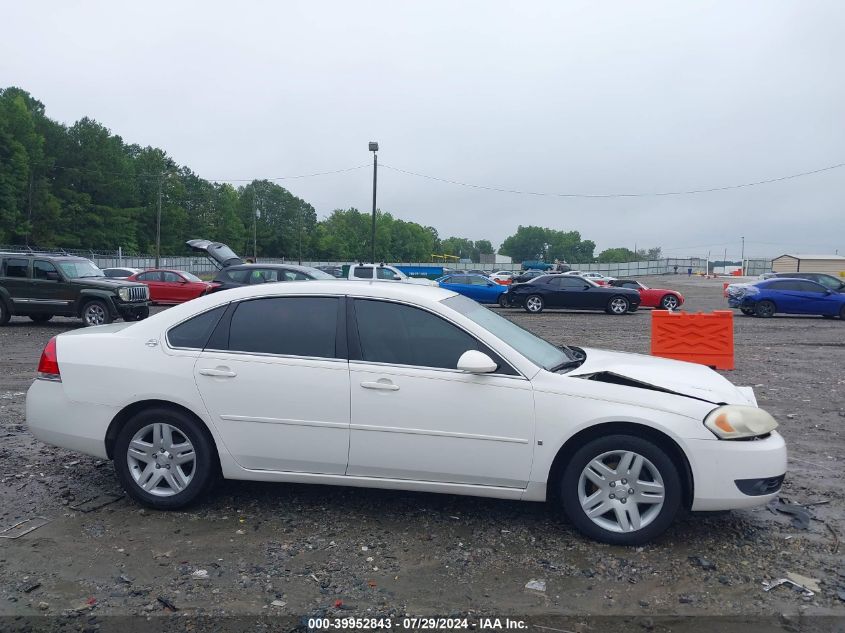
(139, 293)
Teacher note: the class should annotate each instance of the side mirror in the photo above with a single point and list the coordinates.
(52, 275)
(475, 362)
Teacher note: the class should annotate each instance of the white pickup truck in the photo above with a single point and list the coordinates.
(383, 272)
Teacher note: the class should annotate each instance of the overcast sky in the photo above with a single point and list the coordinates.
(583, 97)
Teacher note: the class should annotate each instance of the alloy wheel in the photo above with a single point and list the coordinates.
(670, 302)
(621, 491)
(95, 314)
(534, 304)
(161, 459)
(619, 305)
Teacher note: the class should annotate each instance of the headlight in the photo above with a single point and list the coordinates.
(736, 421)
(123, 293)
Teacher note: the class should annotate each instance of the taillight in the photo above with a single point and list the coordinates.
(48, 366)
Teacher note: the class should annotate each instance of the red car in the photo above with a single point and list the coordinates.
(172, 286)
(652, 297)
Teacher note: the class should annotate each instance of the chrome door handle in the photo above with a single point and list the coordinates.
(384, 386)
(218, 373)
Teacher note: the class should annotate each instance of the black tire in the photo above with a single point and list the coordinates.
(670, 302)
(660, 519)
(747, 311)
(5, 315)
(534, 304)
(618, 306)
(503, 301)
(765, 309)
(41, 318)
(137, 316)
(842, 313)
(96, 312)
(204, 471)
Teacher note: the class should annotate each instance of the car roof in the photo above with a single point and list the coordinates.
(57, 256)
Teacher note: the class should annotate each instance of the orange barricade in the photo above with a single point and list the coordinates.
(702, 338)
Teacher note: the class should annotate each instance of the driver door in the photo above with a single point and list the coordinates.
(416, 417)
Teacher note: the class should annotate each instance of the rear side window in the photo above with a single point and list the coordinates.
(15, 267)
(403, 335)
(195, 332)
(238, 276)
(44, 270)
(290, 326)
(363, 272)
(149, 277)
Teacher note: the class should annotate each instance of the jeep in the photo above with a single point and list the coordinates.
(43, 285)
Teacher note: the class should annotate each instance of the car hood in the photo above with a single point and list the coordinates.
(663, 374)
(217, 252)
(104, 283)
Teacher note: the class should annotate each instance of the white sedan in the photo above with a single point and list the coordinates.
(405, 387)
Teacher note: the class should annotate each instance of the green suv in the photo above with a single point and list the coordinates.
(42, 286)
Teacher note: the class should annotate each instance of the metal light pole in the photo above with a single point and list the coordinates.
(374, 150)
(254, 225)
(158, 221)
(742, 257)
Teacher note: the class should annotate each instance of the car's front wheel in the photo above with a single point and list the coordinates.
(534, 304)
(96, 312)
(669, 302)
(140, 315)
(164, 458)
(621, 489)
(765, 309)
(747, 311)
(618, 305)
(503, 300)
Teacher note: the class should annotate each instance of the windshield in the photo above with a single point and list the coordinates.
(191, 277)
(80, 269)
(316, 273)
(535, 349)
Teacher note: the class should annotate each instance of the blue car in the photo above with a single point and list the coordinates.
(476, 287)
(789, 296)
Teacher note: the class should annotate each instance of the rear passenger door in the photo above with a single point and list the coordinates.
(275, 379)
(14, 277)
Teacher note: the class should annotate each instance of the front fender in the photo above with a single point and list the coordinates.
(90, 293)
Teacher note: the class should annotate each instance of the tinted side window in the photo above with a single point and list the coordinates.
(40, 270)
(292, 275)
(194, 332)
(571, 282)
(293, 326)
(15, 267)
(149, 277)
(363, 272)
(238, 276)
(385, 273)
(171, 278)
(808, 286)
(782, 286)
(404, 335)
(630, 284)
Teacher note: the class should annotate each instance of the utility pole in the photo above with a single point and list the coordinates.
(742, 257)
(374, 150)
(158, 221)
(254, 224)
(299, 217)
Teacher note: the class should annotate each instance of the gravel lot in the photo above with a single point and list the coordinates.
(296, 549)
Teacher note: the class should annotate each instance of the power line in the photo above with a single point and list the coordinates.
(126, 176)
(614, 195)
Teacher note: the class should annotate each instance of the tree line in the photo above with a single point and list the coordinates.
(81, 186)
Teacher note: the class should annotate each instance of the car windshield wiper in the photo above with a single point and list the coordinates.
(568, 364)
(87, 276)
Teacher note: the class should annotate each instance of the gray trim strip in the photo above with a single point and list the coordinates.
(467, 436)
(286, 421)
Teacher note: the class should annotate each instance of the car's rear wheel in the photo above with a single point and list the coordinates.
(669, 302)
(765, 309)
(618, 305)
(41, 318)
(5, 315)
(503, 300)
(842, 313)
(621, 489)
(534, 304)
(164, 458)
(96, 312)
